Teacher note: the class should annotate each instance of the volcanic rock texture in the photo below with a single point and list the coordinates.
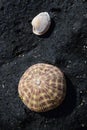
(64, 45)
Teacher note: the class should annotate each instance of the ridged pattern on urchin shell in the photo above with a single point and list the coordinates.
(42, 87)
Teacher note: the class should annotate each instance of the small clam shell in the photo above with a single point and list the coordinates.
(41, 23)
(42, 87)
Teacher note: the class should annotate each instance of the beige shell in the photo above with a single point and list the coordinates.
(42, 87)
(41, 23)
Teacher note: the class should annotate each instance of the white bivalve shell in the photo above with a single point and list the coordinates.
(41, 23)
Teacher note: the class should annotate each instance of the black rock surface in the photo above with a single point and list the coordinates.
(64, 45)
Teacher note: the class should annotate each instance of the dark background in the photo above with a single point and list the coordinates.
(64, 45)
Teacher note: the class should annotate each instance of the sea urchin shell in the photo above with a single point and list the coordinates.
(42, 87)
(41, 23)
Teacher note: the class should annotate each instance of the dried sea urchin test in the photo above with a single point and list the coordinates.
(41, 23)
(42, 87)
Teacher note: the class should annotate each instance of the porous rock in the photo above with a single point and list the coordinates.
(64, 46)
